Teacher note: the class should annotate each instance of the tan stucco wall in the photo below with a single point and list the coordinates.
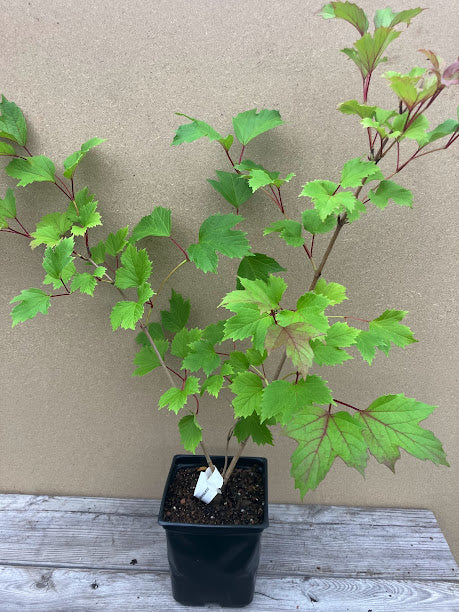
(72, 419)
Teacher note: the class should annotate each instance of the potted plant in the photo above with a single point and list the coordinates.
(262, 327)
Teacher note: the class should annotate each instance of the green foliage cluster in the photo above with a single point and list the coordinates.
(227, 358)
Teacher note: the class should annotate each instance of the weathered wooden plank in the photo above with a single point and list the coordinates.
(353, 548)
(282, 513)
(50, 590)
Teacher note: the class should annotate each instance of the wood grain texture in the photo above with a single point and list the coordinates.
(43, 589)
(77, 554)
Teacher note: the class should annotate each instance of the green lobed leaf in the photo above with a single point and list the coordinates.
(12, 122)
(248, 389)
(352, 107)
(389, 190)
(286, 317)
(135, 270)
(214, 332)
(341, 335)
(177, 316)
(182, 341)
(354, 214)
(322, 436)
(216, 235)
(313, 224)
(251, 427)
(158, 223)
(213, 384)
(67, 273)
(233, 187)
(405, 88)
(265, 295)
(289, 230)
(334, 292)
(82, 198)
(115, 243)
(367, 51)
(280, 398)
(345, 435)
(98, 252)
(259, 177)
(295, 338)
(327, 199)
(283, 399)
(367, 342)
(237, 362)
(248, 323)
(190, 432)
(99, 271)
(189, 132)
(257, 265)
(388, 18)
(147, 360)
(311, 307)
(443, 129)
(126, 314)
(201, 355)
(6, 149)
(87, 217)
(314, 455)
(50, 229)
(8, 205)
(58, 257)
(30, 303)
(389, 329)
(348, 11)
(72, 161)
(84, 282)
(391, 422)
(226, 142)
(249, 124)
(417, 130)
(144, 293)
(31, 170)
(328, 355)
(175, 398)
(355, 171)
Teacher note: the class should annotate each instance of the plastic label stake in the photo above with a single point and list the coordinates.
(208, 485)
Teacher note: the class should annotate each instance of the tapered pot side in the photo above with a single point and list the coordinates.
(213, 563)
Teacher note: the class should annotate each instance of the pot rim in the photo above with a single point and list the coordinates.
(182, 460)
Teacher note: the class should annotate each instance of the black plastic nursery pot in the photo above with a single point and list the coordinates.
(213, 563)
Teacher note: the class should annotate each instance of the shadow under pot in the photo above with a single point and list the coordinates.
(214, 563)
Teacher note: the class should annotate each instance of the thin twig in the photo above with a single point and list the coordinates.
(228, 440)
(234, 461)
(207, 456)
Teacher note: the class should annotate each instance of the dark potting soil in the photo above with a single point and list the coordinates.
(241, 502)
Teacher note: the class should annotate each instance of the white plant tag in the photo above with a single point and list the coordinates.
(208, 485)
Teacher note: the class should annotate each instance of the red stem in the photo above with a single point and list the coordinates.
(174, 372)
(347, 405)
(17, 221)
(64, 191)
(10, 230)
(182, 249)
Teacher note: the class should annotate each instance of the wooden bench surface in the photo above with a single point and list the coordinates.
(79, 554)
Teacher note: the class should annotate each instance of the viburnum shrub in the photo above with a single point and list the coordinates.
(228, 358)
